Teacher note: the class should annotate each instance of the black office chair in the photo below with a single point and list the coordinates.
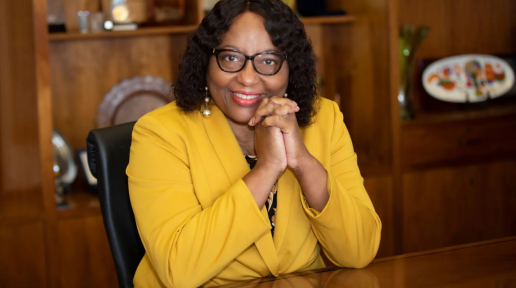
(108, 156)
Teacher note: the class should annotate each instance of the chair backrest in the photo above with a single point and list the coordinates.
(108, 156)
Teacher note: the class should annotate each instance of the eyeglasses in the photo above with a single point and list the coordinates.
(265, 63)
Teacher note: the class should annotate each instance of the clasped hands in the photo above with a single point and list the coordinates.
(278, 140)
(278, 144)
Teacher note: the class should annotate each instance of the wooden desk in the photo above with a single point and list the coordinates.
(490, 264)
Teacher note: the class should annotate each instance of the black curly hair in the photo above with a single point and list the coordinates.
(287, 34)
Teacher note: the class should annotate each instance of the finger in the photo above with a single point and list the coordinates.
(263, 111)
(267, 108)
(284, 124)
(263, 102)
(283, 110)
(285, 101)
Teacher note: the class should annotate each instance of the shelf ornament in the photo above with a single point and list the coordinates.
(410, 39)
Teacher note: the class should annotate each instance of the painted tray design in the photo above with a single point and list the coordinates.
(468, 78)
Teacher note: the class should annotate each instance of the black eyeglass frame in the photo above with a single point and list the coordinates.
(282, 56)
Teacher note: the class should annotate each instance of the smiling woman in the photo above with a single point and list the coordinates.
(237, 94)
(278, 31)
(264, 185)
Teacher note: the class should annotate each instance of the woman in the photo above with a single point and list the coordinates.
(247, 118)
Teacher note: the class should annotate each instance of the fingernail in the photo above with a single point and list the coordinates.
(251, 122)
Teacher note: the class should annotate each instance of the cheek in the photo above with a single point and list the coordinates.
(278, 83)
(215, 75)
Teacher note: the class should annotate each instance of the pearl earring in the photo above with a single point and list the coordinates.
(285, 96)
(206, 113)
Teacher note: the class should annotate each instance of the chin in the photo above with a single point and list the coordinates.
(241, 115)
(240, 118)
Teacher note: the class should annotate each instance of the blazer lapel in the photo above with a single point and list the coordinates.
(288, 189)
(236, 167)
(226, 146)
(265, 246)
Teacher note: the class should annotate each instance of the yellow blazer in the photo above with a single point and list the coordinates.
(200, 224)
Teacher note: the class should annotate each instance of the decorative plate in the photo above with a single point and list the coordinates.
(133, 98)
(63, 158)
(468, 78)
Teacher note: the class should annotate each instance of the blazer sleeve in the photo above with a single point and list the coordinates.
(186, 244)
(348, 228)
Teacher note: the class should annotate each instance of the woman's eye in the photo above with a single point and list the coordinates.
(231, 58)
(269, 62)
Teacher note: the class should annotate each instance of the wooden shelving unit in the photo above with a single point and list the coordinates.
(180, 29)
(479, 114)
(133, 33)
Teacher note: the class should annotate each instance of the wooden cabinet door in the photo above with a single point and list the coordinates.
(22, 255)
(85, 257)
(452, 206)
(380, 192)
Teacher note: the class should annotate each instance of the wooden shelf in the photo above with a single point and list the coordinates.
(328, 20)
(111, 34)
(463, 115)
(81, 203)
(181, 29)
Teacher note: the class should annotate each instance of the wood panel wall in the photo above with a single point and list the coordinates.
(455, 185)
(85, 249)
(458, 205)
(22, 261)
(380, 190)
(22, 236)
(362, 63)
(462, 26)
(18, 101)
(360, 56)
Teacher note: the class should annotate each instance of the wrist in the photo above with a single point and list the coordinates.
(304, 164)
(269, 169)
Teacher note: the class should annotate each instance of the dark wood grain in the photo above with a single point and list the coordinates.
(22, 255)
(19, 150)
(45, 130)
(451, 206)
(463, 26)
(477, 265)
(458, 141)
(381, 194)
(85, 252)
(360, 54)
(486, 27)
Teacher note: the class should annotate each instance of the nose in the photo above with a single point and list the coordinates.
(248, 76)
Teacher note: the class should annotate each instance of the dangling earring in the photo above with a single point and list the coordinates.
(285, 96)
(206, 113)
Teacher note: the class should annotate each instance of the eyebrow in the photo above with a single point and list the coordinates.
(236, 48)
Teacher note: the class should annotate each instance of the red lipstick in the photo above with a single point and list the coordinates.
(254, 98)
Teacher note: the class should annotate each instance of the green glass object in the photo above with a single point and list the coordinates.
(409, 40)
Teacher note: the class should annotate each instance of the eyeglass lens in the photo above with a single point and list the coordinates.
(264, 63)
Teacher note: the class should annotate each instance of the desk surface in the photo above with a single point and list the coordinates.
(483, 265)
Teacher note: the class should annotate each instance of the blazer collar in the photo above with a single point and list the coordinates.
(226, 145)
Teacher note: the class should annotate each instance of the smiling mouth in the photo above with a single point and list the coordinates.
(246, 97)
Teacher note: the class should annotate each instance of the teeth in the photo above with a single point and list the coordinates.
(246, 96)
